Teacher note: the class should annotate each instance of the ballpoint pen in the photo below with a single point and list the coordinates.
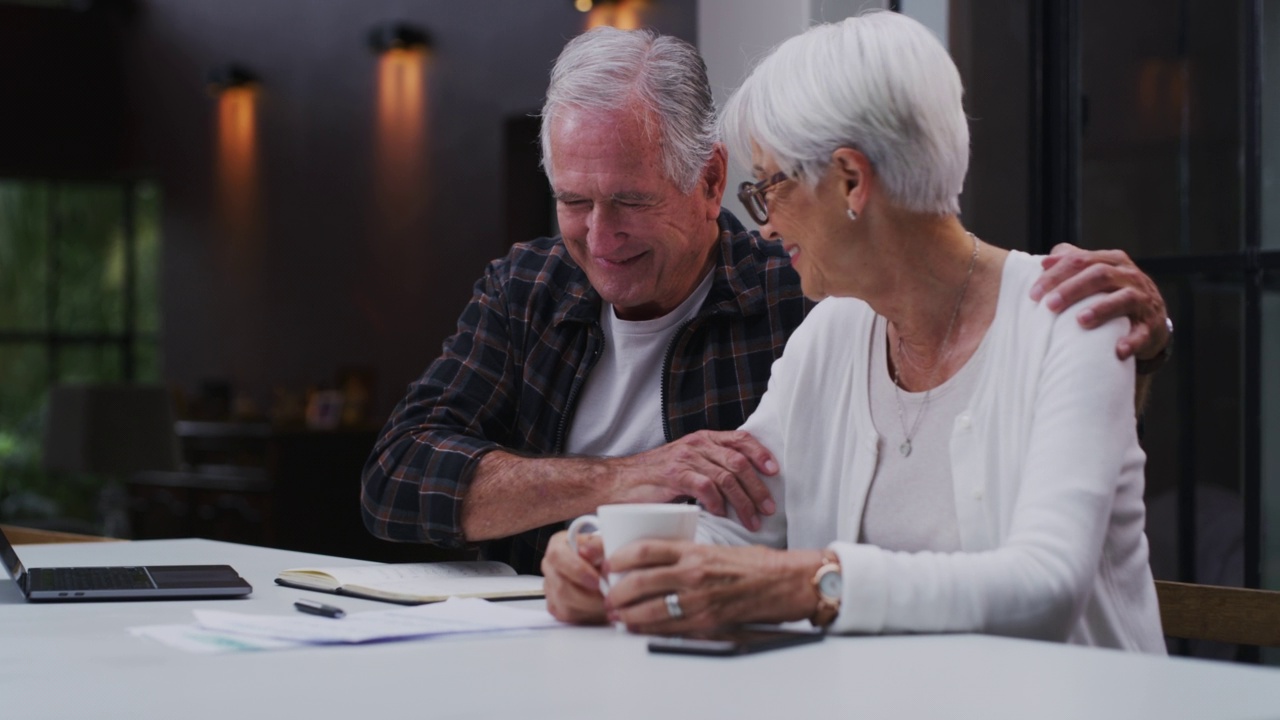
(317, 608)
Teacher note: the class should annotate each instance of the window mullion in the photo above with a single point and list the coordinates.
(128, 366)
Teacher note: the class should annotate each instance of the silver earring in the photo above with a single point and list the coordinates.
(852, 215)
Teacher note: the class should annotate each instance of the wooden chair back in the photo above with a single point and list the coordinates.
(1220, 614)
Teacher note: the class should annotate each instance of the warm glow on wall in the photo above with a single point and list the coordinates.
(402, 131)
(622, 14)
(1162, 87)
(400, 94)
(237, 158)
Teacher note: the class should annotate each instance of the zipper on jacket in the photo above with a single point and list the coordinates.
(569, 408)
(666, 371)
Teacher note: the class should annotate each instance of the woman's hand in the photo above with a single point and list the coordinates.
(572, 579)
(715, 585)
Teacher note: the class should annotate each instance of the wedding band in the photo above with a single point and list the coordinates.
(673, 606)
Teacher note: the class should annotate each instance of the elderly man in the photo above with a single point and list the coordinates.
(614, 363)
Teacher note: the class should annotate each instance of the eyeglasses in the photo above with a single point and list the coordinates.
(752, 196)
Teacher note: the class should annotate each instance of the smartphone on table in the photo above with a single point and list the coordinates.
(733, 641)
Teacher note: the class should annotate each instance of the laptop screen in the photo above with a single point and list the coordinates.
(11, 561)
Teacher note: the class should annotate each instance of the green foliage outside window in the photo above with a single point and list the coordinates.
(65, 271)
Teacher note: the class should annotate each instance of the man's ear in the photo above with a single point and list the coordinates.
(854, 173)
(714, 176)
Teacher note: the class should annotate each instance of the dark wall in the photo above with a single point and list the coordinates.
(63, 110)
(990, 40)
(326, 276)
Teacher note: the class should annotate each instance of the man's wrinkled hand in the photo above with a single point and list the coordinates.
(1072, 274)
(719, 469)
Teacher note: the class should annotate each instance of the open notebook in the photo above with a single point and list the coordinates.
(417, 583)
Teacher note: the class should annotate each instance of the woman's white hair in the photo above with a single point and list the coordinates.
(880, 83)
(610, 69)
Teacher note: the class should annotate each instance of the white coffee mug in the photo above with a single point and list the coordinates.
(620, 525)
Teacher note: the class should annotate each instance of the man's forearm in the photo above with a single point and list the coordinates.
(511, 494)
(721, 470)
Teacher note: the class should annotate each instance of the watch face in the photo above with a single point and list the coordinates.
(830, 584)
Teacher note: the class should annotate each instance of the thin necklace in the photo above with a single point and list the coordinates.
(944, 353)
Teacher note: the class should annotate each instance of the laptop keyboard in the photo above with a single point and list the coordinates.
(89, 578)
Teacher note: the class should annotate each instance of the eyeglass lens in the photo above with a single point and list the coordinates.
(753, 200)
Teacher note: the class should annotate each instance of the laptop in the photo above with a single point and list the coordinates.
(68, 584)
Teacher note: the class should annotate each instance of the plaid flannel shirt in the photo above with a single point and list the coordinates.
(524, 346)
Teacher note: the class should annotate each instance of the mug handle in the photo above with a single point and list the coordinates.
(589, 524)
(576, 527)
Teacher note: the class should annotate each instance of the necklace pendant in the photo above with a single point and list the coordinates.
(905, 448)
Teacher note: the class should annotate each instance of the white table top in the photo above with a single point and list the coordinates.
(77, 661)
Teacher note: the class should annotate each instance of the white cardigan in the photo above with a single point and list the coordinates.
(1047, 472)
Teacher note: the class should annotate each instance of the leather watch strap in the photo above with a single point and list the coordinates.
(1152, 364)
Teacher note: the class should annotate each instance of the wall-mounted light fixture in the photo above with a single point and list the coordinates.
(122, 8)
(400, 154)
(397, 35)
(236, 90)
(586, 6)
(226, 77)
(622, 14)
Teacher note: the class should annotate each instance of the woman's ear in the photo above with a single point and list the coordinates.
(853, 172)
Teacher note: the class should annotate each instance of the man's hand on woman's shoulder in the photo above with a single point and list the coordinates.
(1072, 274)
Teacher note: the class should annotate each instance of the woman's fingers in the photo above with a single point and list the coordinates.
(712, 585)
(654, 615)
(572, 580)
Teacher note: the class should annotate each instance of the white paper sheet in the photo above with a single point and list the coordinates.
(195, 639)
(457, 615)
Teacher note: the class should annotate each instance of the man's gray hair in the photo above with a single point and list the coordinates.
(664, 77)
(880, 83)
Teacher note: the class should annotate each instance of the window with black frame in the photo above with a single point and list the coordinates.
(1146, 125)
(79, 302)
(1171, 170)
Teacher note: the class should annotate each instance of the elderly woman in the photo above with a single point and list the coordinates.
(954, 456)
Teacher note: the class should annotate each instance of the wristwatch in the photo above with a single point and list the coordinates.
(1152, 364)
(828, 584)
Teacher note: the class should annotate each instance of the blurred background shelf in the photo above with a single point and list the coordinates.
(285, 487)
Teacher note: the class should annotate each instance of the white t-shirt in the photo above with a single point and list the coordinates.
(910, 505)
(620, 409)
